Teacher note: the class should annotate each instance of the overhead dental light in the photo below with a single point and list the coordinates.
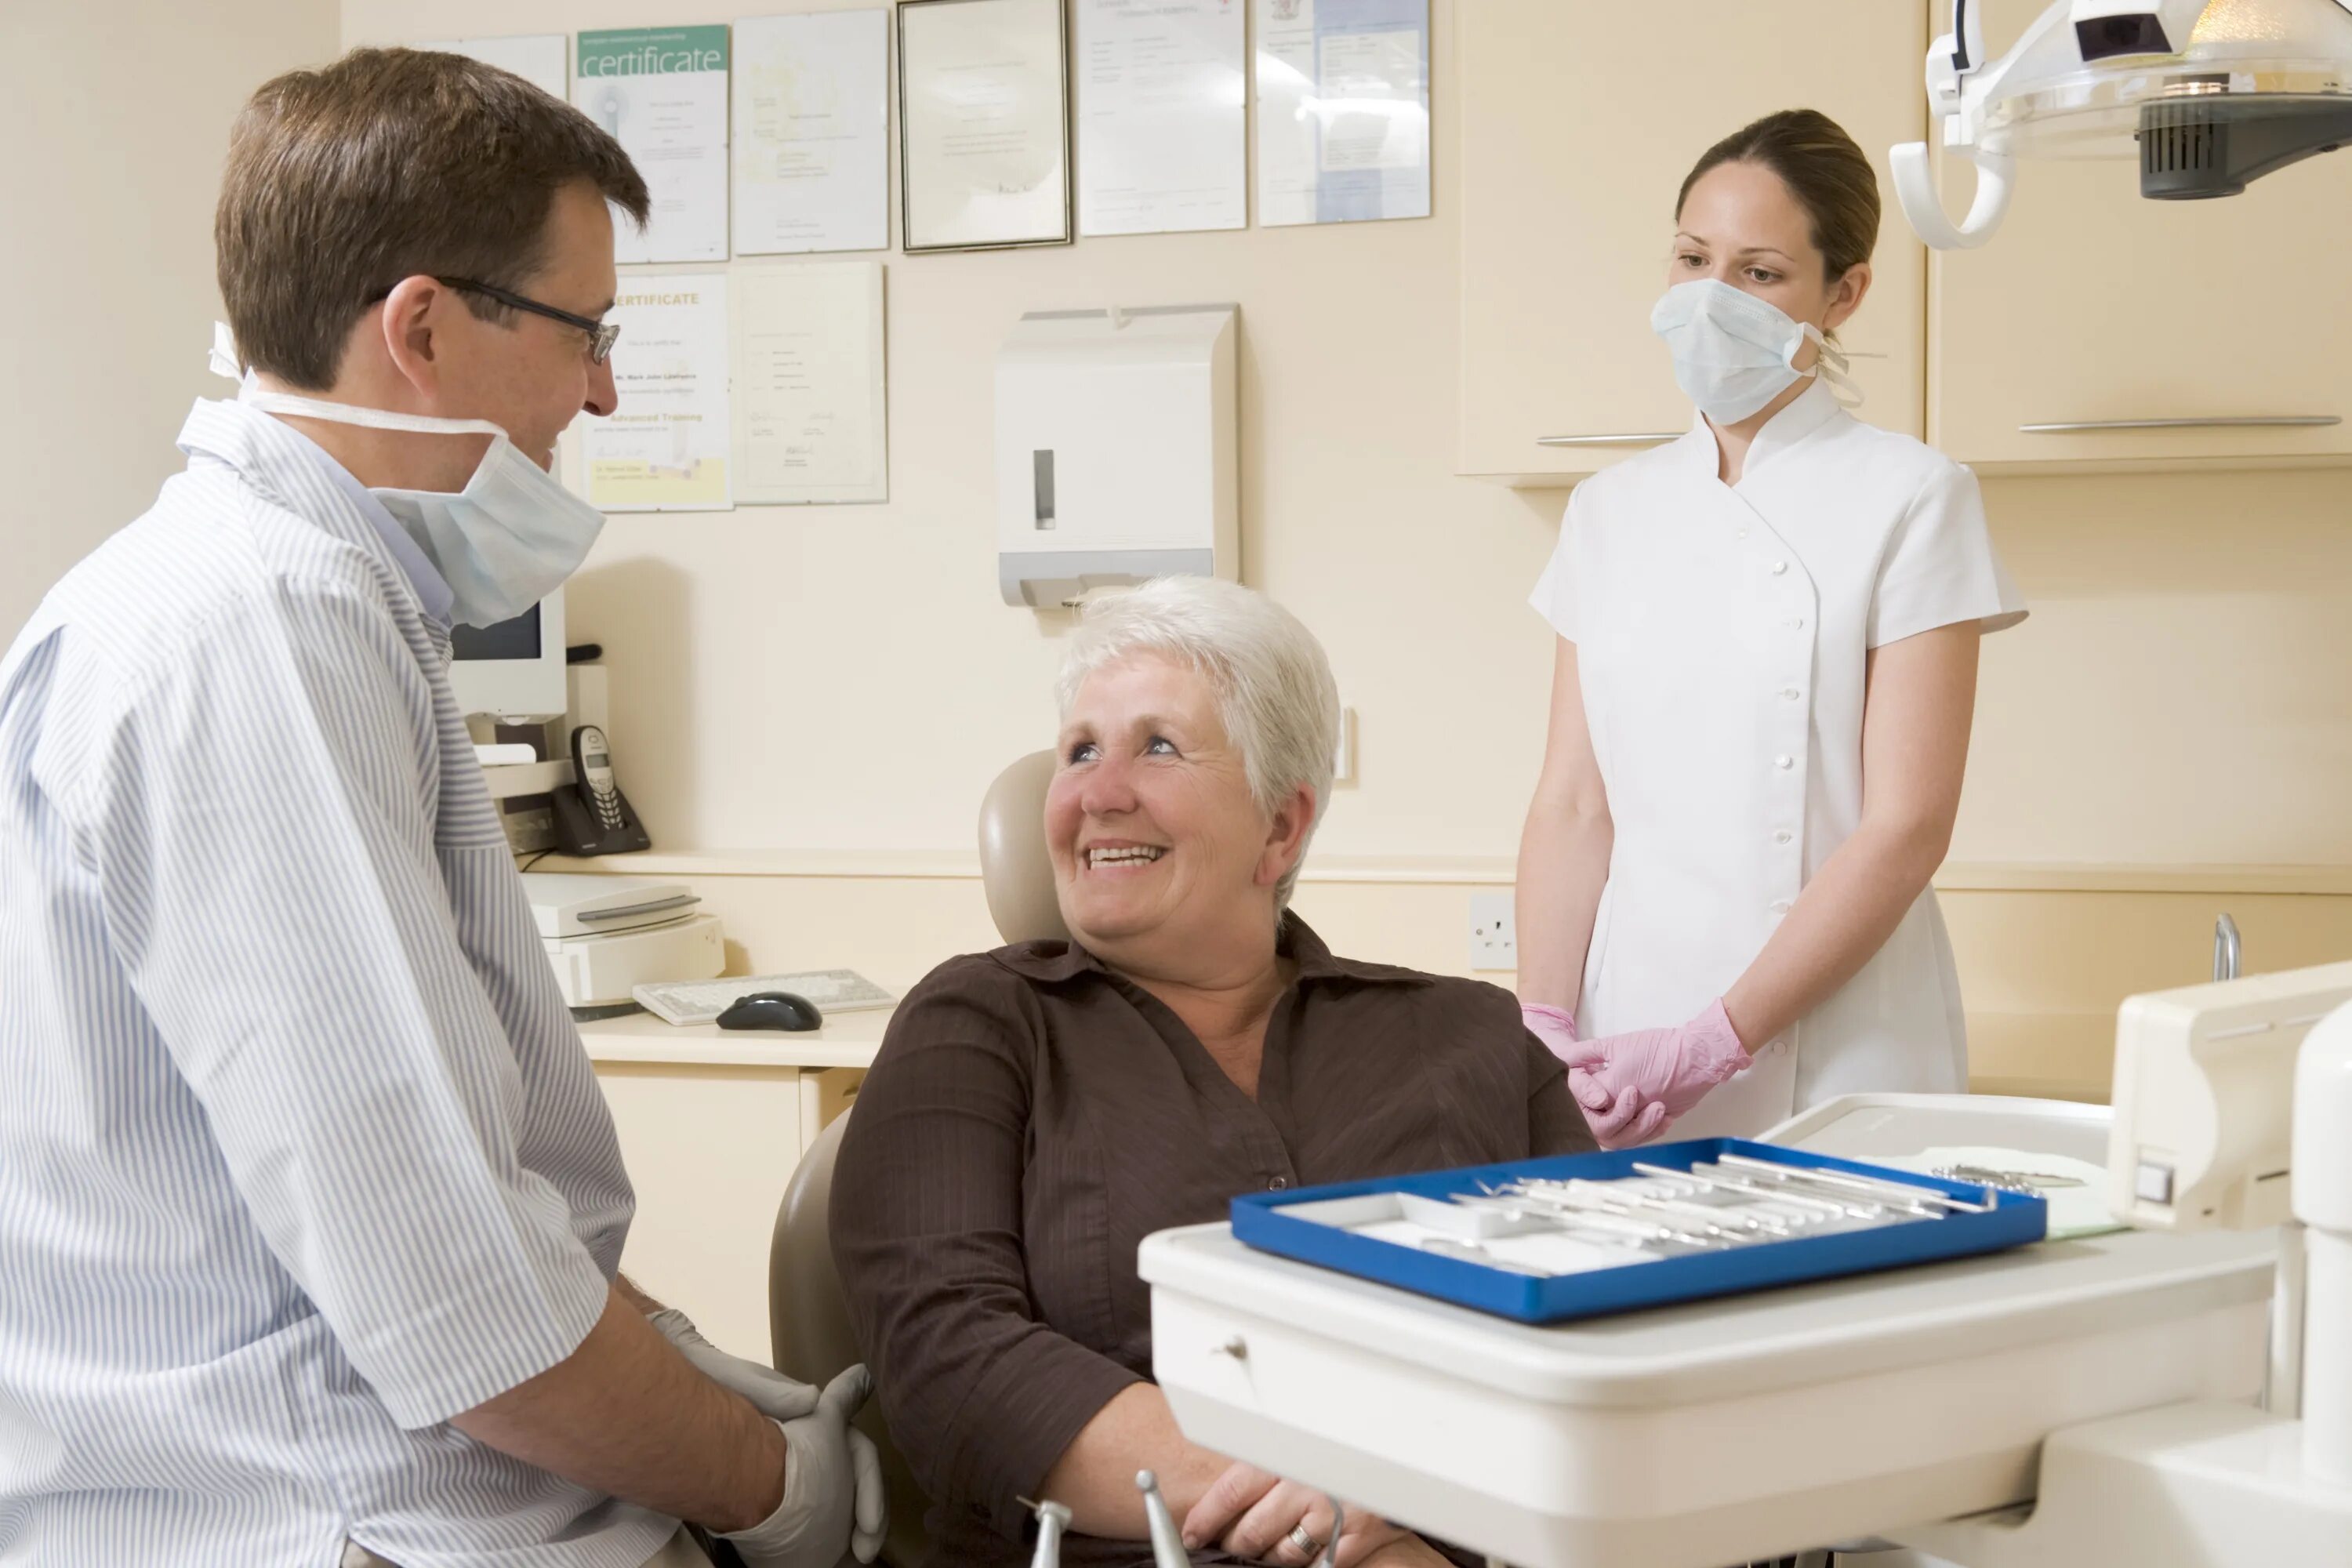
(2208, 94)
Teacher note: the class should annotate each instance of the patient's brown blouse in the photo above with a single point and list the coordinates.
(1032, 1116)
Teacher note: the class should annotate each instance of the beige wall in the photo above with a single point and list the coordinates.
(115, 114)
(2180, 695)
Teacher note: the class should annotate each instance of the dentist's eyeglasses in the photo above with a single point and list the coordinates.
(601, 334)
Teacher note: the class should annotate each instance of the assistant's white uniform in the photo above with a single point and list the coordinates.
(1721, 636)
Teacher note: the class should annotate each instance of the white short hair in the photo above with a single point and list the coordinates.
(1273, 688)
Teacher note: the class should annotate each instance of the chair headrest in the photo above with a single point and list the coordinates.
(1016, 871)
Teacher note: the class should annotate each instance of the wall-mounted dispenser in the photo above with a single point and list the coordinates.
(1117, 450)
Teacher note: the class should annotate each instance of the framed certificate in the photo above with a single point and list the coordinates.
(984, 123)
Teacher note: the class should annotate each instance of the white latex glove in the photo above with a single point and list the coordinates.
(832, 1488)
(771, 1393)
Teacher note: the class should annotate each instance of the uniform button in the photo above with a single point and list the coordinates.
(1797, 624)
(1784, 761)
(1779, 567)
(1277, 1184)
(1782, 837)
(1790, 694)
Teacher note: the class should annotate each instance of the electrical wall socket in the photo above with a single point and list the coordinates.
(1494, 932)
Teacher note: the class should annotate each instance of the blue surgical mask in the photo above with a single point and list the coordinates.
(1735, 352)
(509, 538)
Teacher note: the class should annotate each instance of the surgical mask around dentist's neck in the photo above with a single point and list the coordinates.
(1735, 352)
(509, 538)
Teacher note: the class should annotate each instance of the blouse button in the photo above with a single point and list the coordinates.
(1784, 761)
(1779, 567)
(1278, 1183)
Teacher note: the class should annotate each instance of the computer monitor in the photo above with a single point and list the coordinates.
(512, 671)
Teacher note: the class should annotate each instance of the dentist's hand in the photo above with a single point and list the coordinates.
(1654, 1076)
(771, 1392)
(832, 1488)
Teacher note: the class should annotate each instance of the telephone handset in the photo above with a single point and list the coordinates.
(591, 815)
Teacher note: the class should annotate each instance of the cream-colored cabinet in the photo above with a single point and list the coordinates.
(1578, 123)
(2095, 322)
(711, 1128)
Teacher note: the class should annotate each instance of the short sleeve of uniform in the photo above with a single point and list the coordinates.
(1555, 595)
(265, 837)
(1940, 567)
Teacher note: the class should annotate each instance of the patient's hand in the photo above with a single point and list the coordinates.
(1252, 1514)
(1407, 1551)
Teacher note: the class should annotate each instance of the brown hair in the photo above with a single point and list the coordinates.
(389, 163)
(1830, 176)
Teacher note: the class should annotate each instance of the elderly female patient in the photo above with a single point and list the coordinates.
(1037, 1111)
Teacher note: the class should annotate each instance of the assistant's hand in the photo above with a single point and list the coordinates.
(1555, 1027)
(1617, 1119)
(1252, 1514)
(771, 1392)
(1664, 1072)
(832, 1488)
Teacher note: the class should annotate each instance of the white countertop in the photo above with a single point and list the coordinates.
(846, 1040)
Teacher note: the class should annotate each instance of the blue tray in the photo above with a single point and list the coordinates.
(1258, 1220)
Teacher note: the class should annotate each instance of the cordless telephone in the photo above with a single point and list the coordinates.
(591, 815)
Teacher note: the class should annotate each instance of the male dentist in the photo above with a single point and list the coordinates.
(309, 1208)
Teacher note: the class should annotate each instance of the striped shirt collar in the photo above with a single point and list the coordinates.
(248, 440)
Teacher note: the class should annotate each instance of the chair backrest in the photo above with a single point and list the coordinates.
(1016, 871)
(808, 1323)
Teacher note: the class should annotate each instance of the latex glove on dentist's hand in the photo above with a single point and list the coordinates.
(832, 1488)
(1654, 1076)
(770, 1392)
(1613, 1125)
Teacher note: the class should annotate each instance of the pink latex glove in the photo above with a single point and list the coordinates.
(1557, 1030)
(1665, 1072)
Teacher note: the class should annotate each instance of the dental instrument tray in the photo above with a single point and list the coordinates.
(1581, 1236)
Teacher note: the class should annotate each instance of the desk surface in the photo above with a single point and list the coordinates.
(846, 1040)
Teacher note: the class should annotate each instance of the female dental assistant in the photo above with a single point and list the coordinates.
(1766, 673)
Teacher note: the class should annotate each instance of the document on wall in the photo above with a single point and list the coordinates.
(810, 396)
(984, 123)
(665, 448)
(539, 59)
(662, 92)
(1160, 112)
(1342, 110)
(813, 132)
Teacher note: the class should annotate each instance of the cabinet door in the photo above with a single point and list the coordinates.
(709, 1151)
(2095, 306)
(1578, 123)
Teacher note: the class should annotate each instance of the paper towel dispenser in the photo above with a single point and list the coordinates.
(1117, 450)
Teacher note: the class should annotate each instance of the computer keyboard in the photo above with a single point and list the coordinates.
(701, 1000)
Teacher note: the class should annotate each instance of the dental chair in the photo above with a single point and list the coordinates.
(808, 1318)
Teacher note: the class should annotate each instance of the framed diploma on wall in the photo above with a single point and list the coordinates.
(984, 123)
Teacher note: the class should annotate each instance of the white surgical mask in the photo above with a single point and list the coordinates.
(1735, 352)
(511, 537)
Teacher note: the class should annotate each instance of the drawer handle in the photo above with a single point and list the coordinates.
(1610, 440)
(2236, 422)
(1236, 1347)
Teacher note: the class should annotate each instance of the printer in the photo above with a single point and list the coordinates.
(606, 935)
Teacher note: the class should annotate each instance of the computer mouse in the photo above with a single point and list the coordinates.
(773, 1010)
